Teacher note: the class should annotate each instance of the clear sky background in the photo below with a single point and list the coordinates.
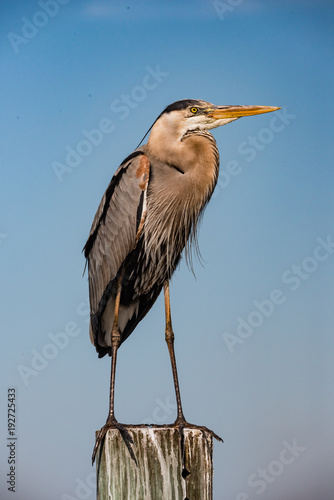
(254, 330)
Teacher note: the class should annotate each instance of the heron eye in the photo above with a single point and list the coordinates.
(194, 110)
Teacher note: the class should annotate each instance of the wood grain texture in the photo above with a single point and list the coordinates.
(151, 467)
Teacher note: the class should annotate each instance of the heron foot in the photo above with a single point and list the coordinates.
(182, 424)
(111, 423)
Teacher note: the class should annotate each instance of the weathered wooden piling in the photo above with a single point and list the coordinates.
(147, 463)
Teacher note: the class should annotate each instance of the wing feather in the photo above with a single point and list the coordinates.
(113, 233)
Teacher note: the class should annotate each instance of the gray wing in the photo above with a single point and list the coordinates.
(115, 230)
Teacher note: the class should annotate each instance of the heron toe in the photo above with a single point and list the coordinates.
(182, 424)
(111, 423)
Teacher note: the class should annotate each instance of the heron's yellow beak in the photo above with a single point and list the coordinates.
(221, 112)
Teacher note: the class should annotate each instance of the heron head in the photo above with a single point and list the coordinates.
(194, 114)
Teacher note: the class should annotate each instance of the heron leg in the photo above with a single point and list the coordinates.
(169, 337)
(180, 421)
(115, 342)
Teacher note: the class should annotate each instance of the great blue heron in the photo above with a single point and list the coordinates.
(146, 218)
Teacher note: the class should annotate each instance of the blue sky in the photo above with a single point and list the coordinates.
(254, 329)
